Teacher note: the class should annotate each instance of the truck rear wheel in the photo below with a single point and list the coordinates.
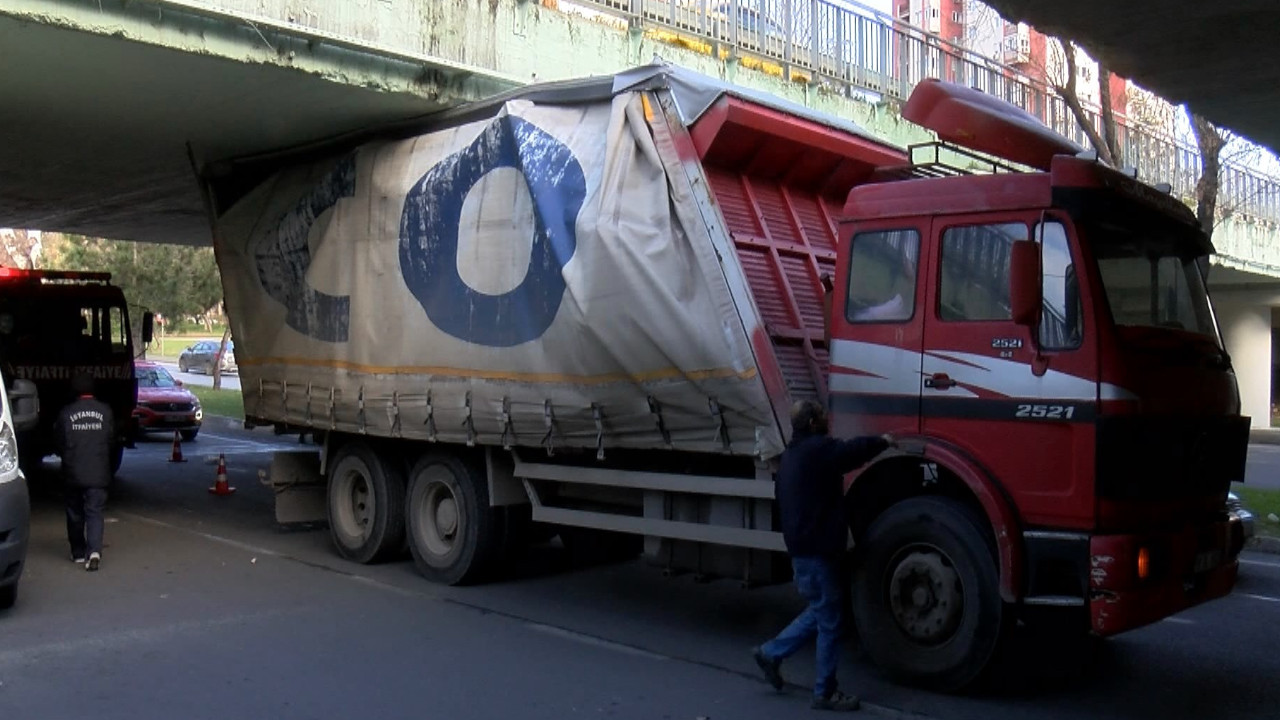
(455, 537)
(366, 504)
(926, 594)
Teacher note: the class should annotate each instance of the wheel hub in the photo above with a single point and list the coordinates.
(447, 517)
(926, 597)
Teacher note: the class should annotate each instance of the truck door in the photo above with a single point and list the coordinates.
(877, 328)
(1020, 401)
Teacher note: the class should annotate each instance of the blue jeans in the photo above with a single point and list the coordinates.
(818, 580)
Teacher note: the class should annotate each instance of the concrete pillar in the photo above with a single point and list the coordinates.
(1246, 330)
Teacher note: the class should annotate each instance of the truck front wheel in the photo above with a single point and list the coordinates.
(926, 594)
(366, 504)
(455, 537)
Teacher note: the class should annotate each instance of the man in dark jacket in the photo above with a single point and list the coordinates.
(84, 435)
(810, 495)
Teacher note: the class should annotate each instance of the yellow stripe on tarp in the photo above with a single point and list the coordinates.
(665, 374)
(648, 109)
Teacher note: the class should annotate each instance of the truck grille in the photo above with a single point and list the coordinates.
(1149, 458)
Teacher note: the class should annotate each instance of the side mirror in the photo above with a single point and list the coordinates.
(148, 327)
(1024, 283)
(177, 382)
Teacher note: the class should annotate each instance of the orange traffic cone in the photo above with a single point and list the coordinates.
(220, 486)
(176, 454)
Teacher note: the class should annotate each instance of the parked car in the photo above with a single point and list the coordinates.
(164, 404)
(15, 508)
(201, 356)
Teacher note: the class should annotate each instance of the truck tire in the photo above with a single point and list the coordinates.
(455, 537)
(8, 596)
(365, 504)
(926, 597)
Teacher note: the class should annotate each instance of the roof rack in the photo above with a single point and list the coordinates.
(927, 162)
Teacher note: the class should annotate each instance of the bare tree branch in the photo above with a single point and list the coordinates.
(1110, 136)
(1067, 91)
(1211, 143)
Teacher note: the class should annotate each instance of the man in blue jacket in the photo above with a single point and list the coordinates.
(810, 495)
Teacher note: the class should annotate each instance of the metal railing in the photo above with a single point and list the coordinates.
(858, 50)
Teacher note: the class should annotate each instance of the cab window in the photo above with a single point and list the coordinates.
(883, 267)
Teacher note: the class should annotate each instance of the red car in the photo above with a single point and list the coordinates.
(164, 404)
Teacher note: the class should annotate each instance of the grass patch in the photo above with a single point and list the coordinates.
(1261, 503)
(228, 403)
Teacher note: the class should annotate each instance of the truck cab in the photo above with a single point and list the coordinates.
(1045, 340)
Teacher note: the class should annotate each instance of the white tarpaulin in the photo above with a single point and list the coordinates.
(542, 276)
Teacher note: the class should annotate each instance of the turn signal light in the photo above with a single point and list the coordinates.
(1144, 563)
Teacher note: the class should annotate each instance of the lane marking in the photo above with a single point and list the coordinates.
(1179, 621)
(112, 641)
(1262, 563)
(594, 641)
(1261, 597)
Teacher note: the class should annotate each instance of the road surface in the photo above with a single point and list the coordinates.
(229, 382)
(205, 608)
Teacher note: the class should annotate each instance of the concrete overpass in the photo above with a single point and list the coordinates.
(1215, 56)
(104, 103)
(109, 102)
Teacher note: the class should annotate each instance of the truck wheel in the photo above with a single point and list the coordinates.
(455, 537)
(366, 504)
(926, 594)
(8, 596)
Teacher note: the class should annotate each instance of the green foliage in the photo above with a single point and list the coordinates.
(227, 403)
(1261, 503)
(171, 280)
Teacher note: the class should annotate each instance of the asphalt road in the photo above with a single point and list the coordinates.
(205, 608)
(229, 382)
(1263, 468)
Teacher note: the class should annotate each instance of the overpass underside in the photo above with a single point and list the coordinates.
(104, 109)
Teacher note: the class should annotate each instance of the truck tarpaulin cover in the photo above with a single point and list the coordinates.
(542, 276)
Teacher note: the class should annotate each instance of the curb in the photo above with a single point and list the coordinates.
(1263, 544)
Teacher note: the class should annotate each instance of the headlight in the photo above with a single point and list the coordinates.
(8, 453)
(199, 413)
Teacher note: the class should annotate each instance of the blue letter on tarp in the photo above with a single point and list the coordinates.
(283, 259)
(430, 224)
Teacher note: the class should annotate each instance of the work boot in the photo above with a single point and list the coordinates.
(94, 560)
(837, 701)
(770, 668)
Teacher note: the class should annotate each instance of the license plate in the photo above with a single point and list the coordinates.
(1208, 560)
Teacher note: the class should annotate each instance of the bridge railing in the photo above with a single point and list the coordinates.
(861, 51)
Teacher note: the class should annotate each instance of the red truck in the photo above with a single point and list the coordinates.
(591, 304)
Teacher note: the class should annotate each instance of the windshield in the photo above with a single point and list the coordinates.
(1152, 282)
(60, 330)
(155, 377)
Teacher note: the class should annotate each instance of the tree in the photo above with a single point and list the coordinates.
(20, 248)
(1210, 141)
(1065, 84)
(173, 280)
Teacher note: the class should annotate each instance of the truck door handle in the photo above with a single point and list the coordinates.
(939, 381)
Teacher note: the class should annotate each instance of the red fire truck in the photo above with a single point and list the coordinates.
(55, 324)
